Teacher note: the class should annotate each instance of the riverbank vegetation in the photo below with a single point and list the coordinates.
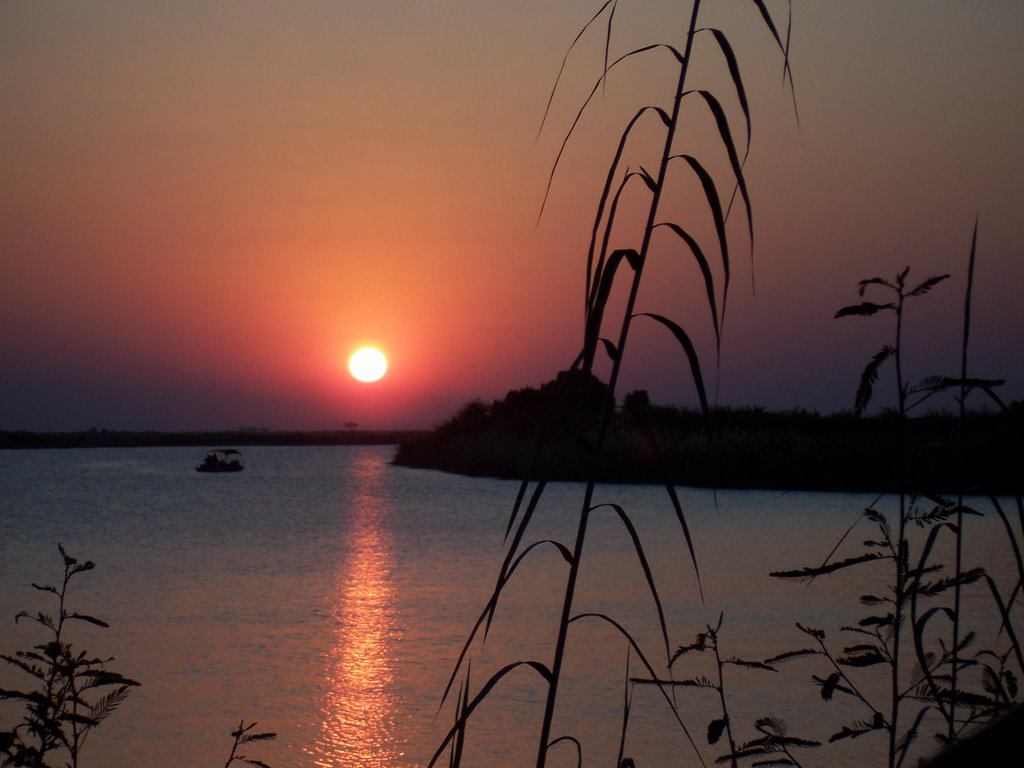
(724, 448)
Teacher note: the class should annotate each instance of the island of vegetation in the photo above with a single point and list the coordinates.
(550, 433)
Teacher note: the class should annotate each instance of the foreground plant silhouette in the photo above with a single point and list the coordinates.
(945, 688)
(879, 634)
(606, 265)
(896, 629)
(74, 692)
(774, 746)
(67, 704)
(244, 735)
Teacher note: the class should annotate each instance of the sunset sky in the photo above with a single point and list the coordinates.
(205, 207)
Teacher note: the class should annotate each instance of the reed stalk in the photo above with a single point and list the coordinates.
(588, 495)
(959, 535)
(603, 269)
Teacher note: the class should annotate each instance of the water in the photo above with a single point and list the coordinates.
(326, 594)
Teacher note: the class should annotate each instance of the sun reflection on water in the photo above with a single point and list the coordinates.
(359, 703)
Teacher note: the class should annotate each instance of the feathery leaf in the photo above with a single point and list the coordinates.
(868, 378)
(811, 572)
(864, 309)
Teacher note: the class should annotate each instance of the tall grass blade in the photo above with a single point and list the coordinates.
(785, 55)
(488, 612)
(603, 290)
(649, 180)
(650, 670)
(644, 564)
(705, 269)
(627, 704)
(572, 740)
(610, 348)
(1012, 538)
(967, 299)
(458, 743)
(606, 278)
(539, 668)
(715, 205)
(531, 507)
(690, 351)
(961, 440)
(524, 486)
(606, 191)
(737, 80)
(663, 469)
(595, 270)
(725, 133)
(586, 103)
(608, 34)
(787, 72)
(565, 59)
(919, 626)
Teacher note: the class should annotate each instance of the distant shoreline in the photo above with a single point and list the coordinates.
(103, 438)
(786, 452)
(552, 433)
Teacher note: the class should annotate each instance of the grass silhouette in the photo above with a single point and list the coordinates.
(926, 668)
(606, 267)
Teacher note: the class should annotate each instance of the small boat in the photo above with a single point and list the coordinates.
(222, 460)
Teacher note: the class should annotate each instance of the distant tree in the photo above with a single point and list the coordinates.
(637, 401)
(471, 419)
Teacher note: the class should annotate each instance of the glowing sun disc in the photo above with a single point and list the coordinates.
(367, 364)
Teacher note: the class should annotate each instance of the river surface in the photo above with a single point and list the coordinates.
(326, 595)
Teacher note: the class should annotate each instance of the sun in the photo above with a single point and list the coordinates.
(367, 364)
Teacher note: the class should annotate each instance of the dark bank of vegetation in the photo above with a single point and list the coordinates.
(728, 448)
(105, 438)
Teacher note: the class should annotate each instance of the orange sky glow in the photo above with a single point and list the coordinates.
(205, 207)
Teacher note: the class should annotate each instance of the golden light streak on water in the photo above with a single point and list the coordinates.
(359, 704)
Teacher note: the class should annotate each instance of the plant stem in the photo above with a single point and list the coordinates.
(54, 699)
(581, 533)
(725, 708)
(958, 566)
(234, 747)
(901, 540)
